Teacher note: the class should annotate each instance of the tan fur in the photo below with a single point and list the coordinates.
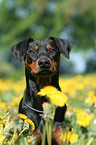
(33, 67)
(55, 65)
(57, 131)
(43, 81)
(36, 47)
(48, 46)
(37, 134)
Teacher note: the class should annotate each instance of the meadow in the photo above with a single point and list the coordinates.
(80, 118)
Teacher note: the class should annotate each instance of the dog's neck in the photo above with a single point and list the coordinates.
(39, 82)
(33, 87)
(43, 81)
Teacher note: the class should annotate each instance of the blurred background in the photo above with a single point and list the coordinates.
(72, 20)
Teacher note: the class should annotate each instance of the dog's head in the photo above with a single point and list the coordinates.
(42, 57)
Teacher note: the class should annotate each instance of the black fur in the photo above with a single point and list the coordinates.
(43, 58)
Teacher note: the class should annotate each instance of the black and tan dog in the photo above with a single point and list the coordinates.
(42, 59)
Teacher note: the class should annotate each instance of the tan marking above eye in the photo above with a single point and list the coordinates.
(35, 47)
(48, 46)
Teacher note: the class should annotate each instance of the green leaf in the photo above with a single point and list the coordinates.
(90, 141)
(23, 140)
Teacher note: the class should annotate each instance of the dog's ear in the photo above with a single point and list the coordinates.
(19, 50)
(63, 45)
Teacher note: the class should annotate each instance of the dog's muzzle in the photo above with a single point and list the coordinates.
(44, 63)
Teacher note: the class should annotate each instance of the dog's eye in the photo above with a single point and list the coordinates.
(32, 52)
(52, 50)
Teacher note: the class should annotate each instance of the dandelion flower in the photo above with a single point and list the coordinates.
(31, 123)
(56, 97)
(22, 116)
(69, 136)
(46, 91)
(73, 138)
(91, 93)
(2, 105)
(94, 100)
(89, 100)
(84, 118)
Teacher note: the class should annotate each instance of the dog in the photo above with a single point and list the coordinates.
(42, 60)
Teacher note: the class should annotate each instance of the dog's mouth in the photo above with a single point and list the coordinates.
(44, 72)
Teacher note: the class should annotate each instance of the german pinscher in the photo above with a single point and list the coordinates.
(42, 59)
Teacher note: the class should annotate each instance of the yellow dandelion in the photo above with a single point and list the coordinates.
(2, 117)
(47, 90)
(2, 105)
(22, 116)
(32, 124)
(69, 136)
(73, 138)
(94, 99)
(83, 118)
(65, 136)
(91, 93)
(89, 100)
(3, 123)
(56, 97)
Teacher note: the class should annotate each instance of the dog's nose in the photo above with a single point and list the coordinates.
(44, 63)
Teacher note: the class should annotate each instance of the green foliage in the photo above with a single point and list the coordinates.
(40, 19)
